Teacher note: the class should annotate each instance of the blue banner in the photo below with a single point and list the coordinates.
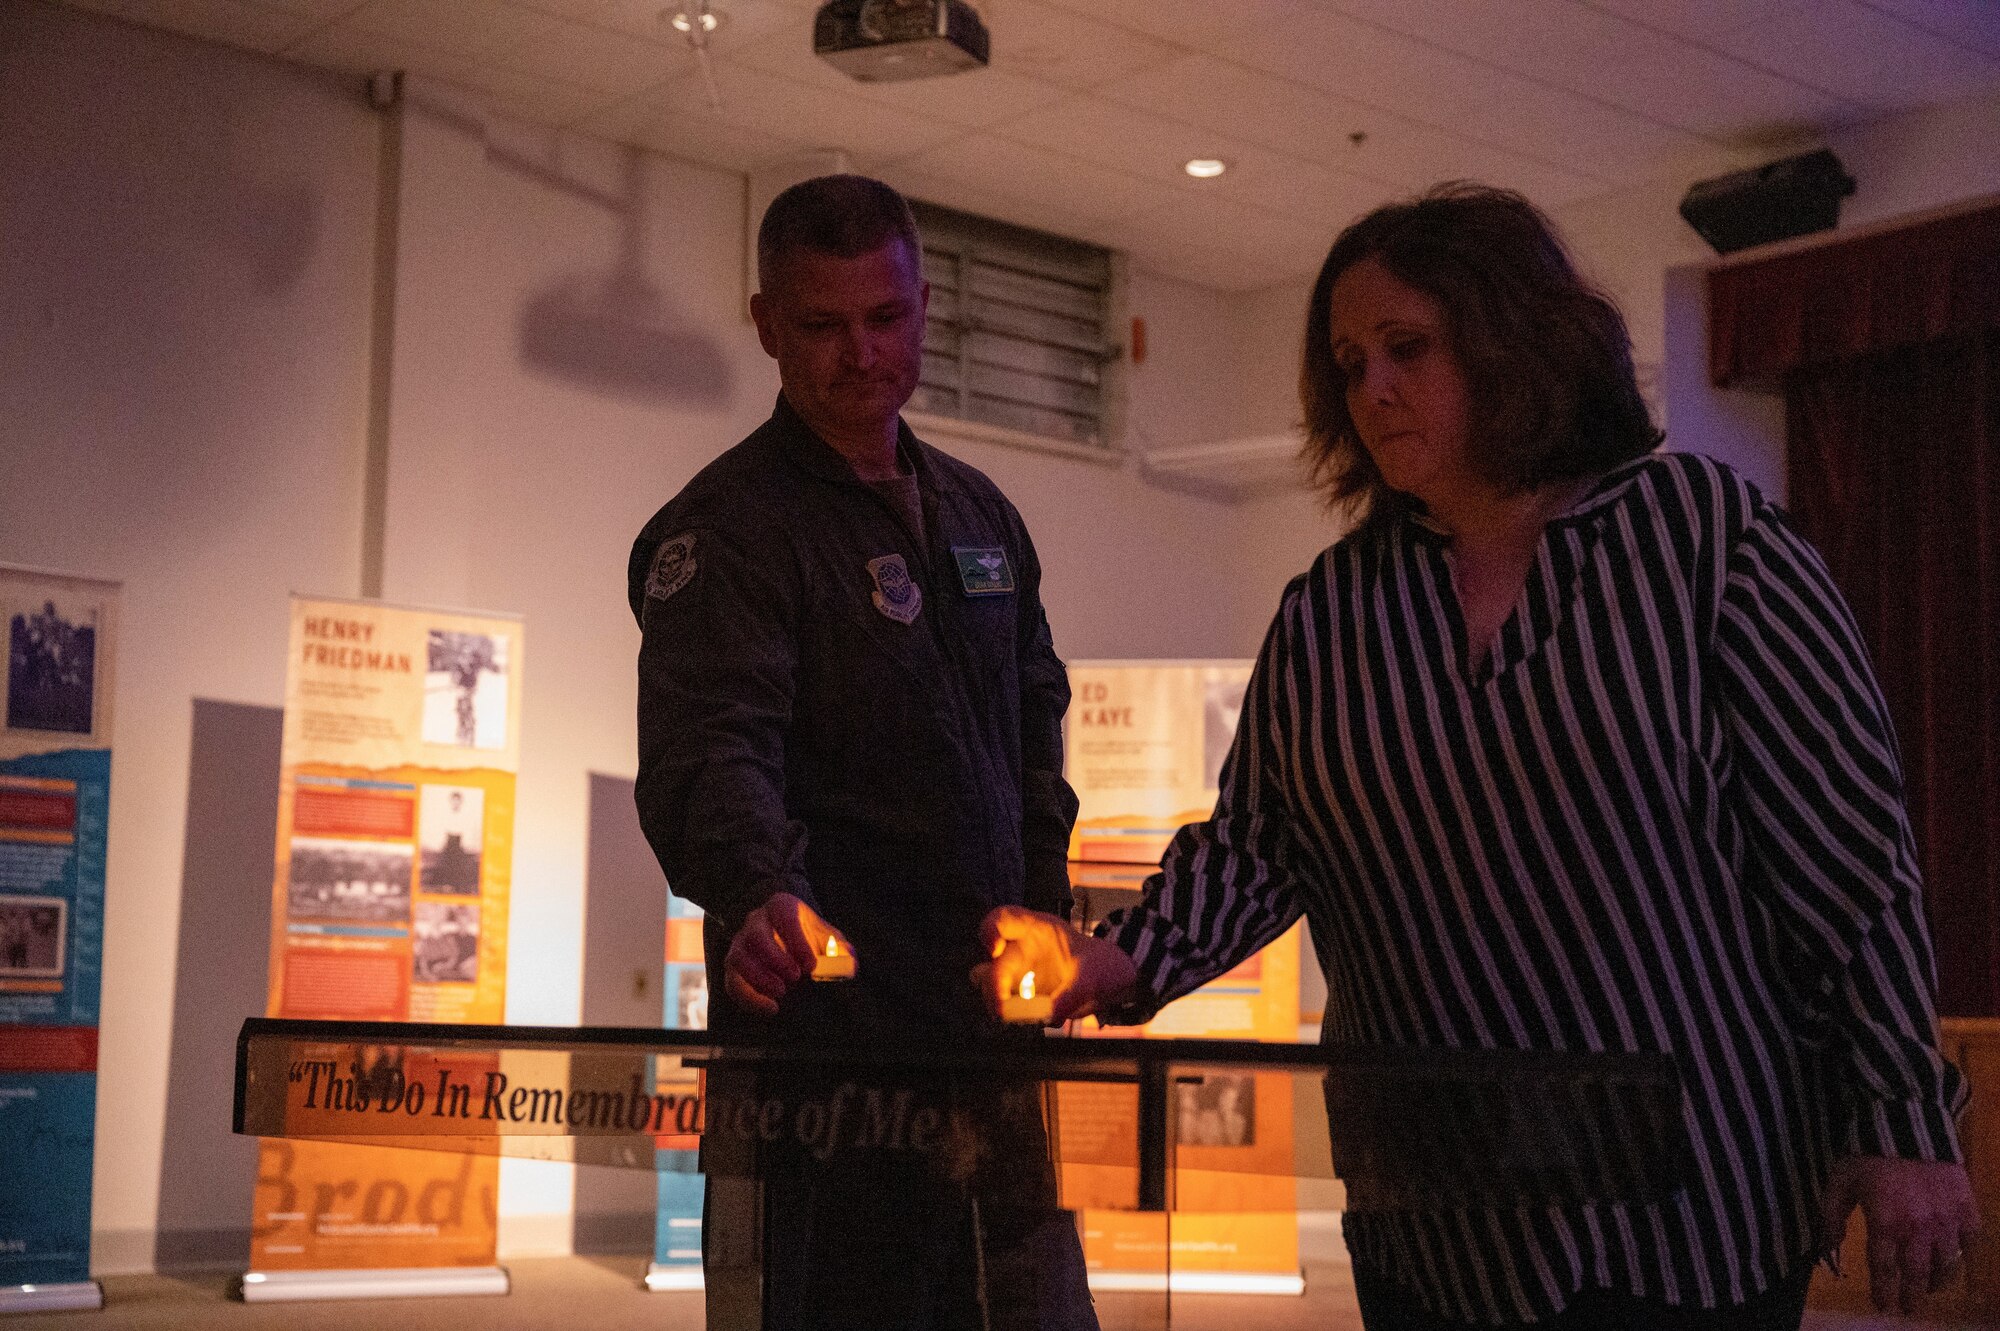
(677, 1231)
(55, 796)
(46, 1122)
(52, 846)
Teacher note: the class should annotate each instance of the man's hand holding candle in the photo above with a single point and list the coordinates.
(780, 943)
(1072, 975)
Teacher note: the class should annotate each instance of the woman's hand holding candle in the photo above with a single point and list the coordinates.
(1045, 972)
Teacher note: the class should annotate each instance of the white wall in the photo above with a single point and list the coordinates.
(185, 234)
(190, 235)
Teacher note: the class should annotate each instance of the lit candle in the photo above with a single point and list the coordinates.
(1024, 1006)
(835, 963)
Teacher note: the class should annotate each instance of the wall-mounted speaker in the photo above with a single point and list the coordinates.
(1794, 196)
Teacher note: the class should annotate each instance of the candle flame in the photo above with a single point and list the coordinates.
(832, 948)
(1028, 985)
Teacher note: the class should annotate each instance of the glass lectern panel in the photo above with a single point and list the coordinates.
(971, 1161)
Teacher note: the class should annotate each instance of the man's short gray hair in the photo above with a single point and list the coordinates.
(844, 216)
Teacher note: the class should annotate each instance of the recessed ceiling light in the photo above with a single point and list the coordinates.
(1206, 168)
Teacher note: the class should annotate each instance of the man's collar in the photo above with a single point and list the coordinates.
(822, 460)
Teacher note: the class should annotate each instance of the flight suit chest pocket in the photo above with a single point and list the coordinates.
(981, 584)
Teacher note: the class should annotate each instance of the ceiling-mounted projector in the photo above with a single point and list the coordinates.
(877, 41)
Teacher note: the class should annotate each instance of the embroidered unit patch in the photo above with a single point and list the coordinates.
(983, 570)
(895, 595)
(673, 567)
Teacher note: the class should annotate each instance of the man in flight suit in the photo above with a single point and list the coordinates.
(850, 724)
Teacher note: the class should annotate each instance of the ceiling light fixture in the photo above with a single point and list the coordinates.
(696, 25)
(1206, 168)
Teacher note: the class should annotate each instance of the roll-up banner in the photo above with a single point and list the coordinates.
(1145, 743)
(677, 1228)
(389, 903)
(55, 792)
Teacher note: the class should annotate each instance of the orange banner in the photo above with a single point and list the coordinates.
(389, 903)
(1145, 744)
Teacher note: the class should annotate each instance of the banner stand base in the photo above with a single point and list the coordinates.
(380, 1283)
(74, 1296)
(664, 1279)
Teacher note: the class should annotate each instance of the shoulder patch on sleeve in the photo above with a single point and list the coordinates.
(673, 567)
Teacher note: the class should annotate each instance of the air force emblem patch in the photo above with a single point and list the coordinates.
(895, 595)
(982, 570)
(673, 567)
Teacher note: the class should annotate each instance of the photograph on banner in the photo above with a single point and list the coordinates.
(32, 932)
(52, 660)
(390, 897)
(465, 689)
(57, 685)
(451, 829)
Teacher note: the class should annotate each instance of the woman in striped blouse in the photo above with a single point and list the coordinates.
(1569, 744)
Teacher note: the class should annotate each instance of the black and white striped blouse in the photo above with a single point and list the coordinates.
(1663, 814)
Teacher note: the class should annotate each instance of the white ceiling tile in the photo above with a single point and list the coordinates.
(1724, 101)
(1193, 23)
(1317, 196)
(1696, 18)
(1569, 45)
(479, 29)
(1364, 63)
(785, 48)
(1037, 175)
(596, 58)
(743, 21)
(1246, 104)
(810, 117)
(320, 11)
(1576, 133)
(1870, 56)
(730, 147)
(1124, 139)
(250, 27)
(1064, 47)
(1302, 122)
(974, 98)
(1972, 24)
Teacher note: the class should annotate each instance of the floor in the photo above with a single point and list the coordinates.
(557, 1291)
(605, 1294)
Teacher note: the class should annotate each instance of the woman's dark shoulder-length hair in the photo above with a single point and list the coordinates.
(1547, 359)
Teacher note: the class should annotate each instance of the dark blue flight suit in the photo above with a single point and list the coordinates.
(834, 705)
